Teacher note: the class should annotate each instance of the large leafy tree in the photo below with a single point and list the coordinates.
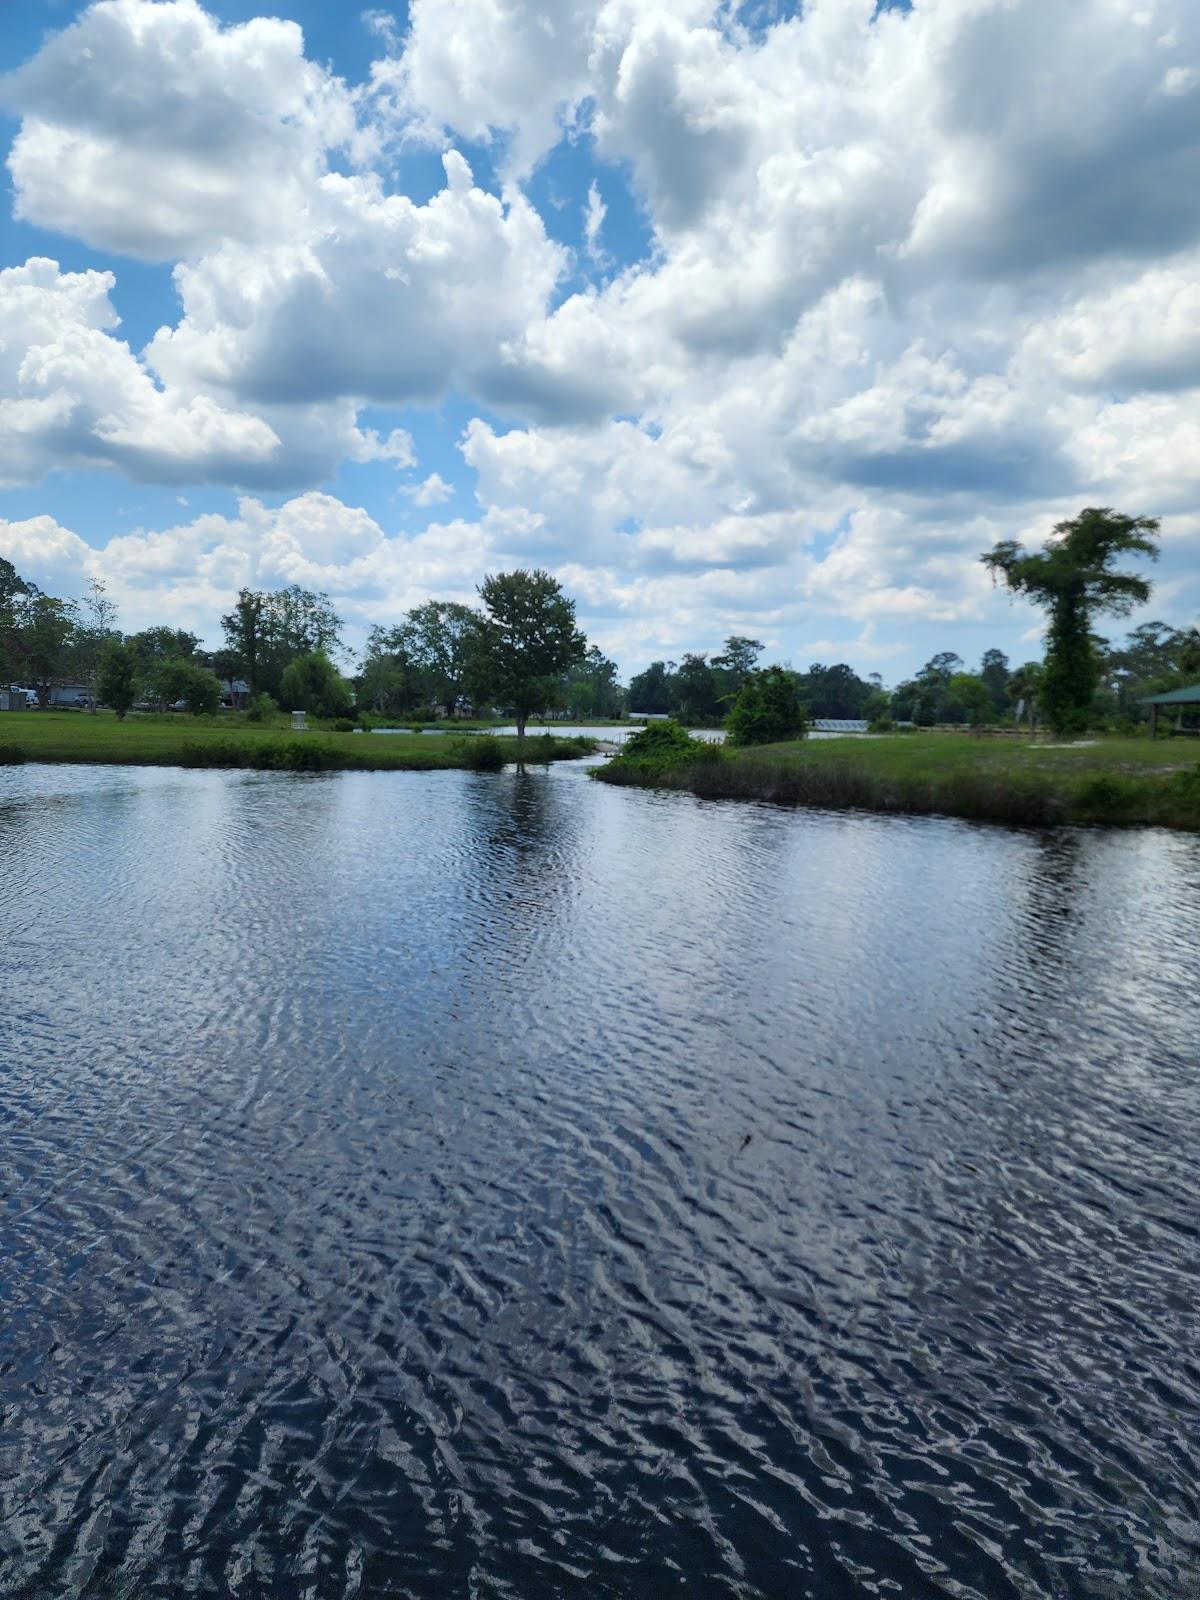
(592, 688)
(269, 629)
(42, 636)
(12, 588)
(650, 691)
(117, 676)
(1075, 578)
(525, 642)
(437, 639)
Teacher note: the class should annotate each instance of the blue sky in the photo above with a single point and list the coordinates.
(756, 319)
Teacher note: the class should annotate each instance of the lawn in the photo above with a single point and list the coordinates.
(1113, 780)
(229, 740)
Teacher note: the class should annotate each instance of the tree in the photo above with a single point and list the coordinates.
(43, 632)
(968, 699)
(90, 636)
(117, 676)
(438, 638)
(694, 691)
(993, 669)
(12, 588)
(649, 691)
(835, 691)
(243, 628)
(184, 681)
(268, 630)
(389, 680)
(525, 642)
(228, 668)
(767, 709)
(312, 683)
(737, 661)
(1024, 684)
(592, 686)
(1073, 577)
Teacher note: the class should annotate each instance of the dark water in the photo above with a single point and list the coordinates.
(378, 1218)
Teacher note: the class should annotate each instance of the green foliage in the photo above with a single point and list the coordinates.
(883, 724)
(524, 643)
(177, 681)
(592, 689)
(481, 753)
(312, 683)
(275, 755)
(267, 630)
(1074, 578)
(767, 709)
(657, 748)
(117, 676)
(262, 709)
(343, 725)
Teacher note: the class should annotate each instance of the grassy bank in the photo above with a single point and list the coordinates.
(229, 741)
(1119, 781)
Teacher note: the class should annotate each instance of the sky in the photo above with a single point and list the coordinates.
(762, 318)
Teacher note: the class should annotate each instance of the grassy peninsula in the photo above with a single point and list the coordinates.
(1118, 781)
(230, 741)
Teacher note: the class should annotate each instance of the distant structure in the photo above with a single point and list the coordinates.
(1189, 696)
(838, 725)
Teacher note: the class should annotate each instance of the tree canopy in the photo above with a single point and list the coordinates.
(1075, 578)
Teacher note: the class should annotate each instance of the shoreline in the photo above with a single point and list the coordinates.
(1115, 782)
(76, 739)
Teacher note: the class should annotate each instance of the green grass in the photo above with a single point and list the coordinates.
(1119, 781)
(230, 741)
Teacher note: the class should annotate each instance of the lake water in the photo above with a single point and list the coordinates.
(506, 1186)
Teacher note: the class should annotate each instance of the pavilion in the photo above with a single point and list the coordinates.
(1189, 696)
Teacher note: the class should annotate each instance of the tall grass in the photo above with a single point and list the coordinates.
(1033, 793)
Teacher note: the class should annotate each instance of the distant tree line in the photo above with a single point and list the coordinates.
(520, 651)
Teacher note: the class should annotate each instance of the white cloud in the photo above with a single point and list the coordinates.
(431, 491)
(891, 308)
(150, 130)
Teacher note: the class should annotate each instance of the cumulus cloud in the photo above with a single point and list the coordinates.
(915, 280)
(150, 130)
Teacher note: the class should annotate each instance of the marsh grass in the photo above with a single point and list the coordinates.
(1114, 781)
(183, 741)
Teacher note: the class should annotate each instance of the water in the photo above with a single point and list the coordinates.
(504, 1186)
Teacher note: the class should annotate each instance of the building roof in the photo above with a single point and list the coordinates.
(1186, 696)
(1189, 696)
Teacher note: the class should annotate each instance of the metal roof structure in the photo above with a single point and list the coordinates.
(1188, 696)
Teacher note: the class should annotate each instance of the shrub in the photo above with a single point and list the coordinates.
(262, 709)
(657, 748)
(284, 755)
(483, 753)
(343, 725)
(767, 709)
(881, 725)
(312, 683)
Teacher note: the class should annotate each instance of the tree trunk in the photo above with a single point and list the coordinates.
(521, 716)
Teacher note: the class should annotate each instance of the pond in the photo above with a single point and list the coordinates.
(506, 1185)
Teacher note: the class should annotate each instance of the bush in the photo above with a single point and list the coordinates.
(312, 683)
(262, 709)
(284, 755)
(343, 725)
(881, 725)
(767, 709)
(483, 753)
(658, 747)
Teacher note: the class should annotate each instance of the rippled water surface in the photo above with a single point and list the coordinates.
(504, 1186)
